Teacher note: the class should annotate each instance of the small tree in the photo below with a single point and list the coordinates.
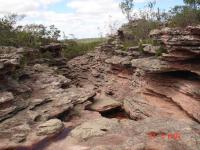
(193, 3)
(8, 31)
(54, 33)
(127, 8)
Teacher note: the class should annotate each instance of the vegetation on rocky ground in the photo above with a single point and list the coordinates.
(136, 31)
(150, 18)
(34, 36)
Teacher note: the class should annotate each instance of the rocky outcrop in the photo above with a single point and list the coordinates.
(109, 99)
(174, 80)
(181, 44)
(152, 89)
(54, 48)
(10, 59)
(32, 94)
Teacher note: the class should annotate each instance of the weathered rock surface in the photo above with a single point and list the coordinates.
(36, 94)
(179, 43)
(52, 126)
(10, 59)
(153, 65)
(54, 48)
(151, 133)
(96, 127)
(173, 81)
(103, 104)
(55, 104)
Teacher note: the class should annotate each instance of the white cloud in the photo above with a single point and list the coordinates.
(88, 18)
(93, 14)
(94, 6)
(23, 6)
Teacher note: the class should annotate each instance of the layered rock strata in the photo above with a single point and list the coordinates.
(109, 99)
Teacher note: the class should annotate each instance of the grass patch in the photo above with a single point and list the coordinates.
(74, 48)
(129, 43)
(90, 40)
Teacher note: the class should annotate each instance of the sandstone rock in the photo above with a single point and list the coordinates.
(151, 133)
(116, 60)
(10, 59)
(38, 67)
(96, 127)
(138, 108)
(160, 94)
(183, 41)
(123, 53)
(104, 104)
(155, 32)
(52, 126)
(54, 48)
(164, 131)
(95, 73)
(18, 138)
(6, 97)
(8, 105)
(151, 49)
(195, 30)
(152, 65)
(179, 92)
(135, 48)
(38, 102)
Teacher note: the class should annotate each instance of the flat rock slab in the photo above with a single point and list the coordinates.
(104, 104)
(153, 65)
(116, 60)
(97, 127)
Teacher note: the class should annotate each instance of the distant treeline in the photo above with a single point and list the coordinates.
(31, 35)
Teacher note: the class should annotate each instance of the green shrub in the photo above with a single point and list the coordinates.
(182, 16)
(128, 43)
(141, 47)
(143, 28)
(32, 35)
(139, 32)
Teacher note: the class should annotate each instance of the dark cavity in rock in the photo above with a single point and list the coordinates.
(117, 113)
(182, 74)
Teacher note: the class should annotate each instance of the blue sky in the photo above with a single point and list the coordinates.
(163, 4)
(83, 18)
